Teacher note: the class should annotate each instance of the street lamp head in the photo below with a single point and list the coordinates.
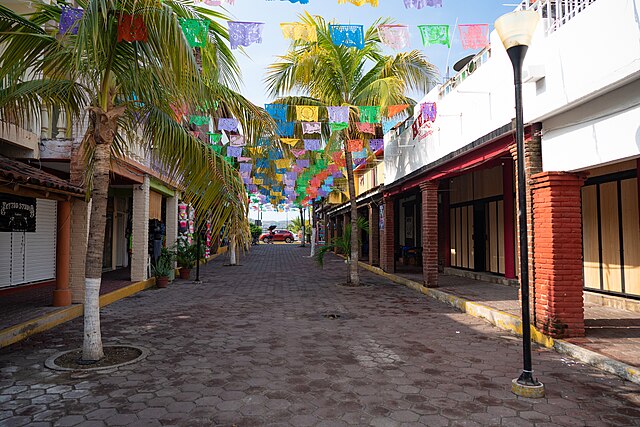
(517, 28)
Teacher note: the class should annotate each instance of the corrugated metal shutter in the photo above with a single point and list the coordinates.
(40, 254)
(30, 257)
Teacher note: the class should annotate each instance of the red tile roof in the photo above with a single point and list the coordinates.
(21, 173)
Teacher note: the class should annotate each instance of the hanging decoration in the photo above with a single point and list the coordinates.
(312, 144)
(354, 145)
(306, 113)
(369, 114)
(70, 20)
(285, 128)
(338, 126)
(237, 141)
(278, 112)
(196, 31)
(474, 36)
(435, 34)
(214, 137)
(131, 28)
(419, 4)
(229, 124)
(395, 36)
(298, 153)
(199, 120)
(348, 35)
(362, 154)
(303, 163)
(373, 3)
(392, 110)
(366, 127)
(311, 127)
(299, 31)
(234, 151)
(245, 33)
(246, 167)
(338, 114)
(376, 144)
(282, 163)
(429, 111)
(289, 141)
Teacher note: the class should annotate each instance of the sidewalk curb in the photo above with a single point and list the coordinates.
(48, 321)
(513, 324)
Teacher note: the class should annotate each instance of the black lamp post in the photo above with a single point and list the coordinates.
(516, 31)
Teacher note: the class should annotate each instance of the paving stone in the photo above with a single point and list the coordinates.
(249, 346)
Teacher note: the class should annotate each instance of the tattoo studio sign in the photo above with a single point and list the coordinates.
(17, 213)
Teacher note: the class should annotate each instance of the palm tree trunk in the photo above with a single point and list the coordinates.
(354, 276)
(92, 345)
(303, 227)
(312, 216)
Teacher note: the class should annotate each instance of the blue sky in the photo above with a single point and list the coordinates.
(272, 13)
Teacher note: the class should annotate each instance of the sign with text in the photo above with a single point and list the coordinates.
(17, 213)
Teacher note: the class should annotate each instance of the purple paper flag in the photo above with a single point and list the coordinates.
(291, 176)
(234, 151)
(419, 4)
(246, 167)
(338, 114)
(245, 33)
(69, 18)
(376, 144)
(429, 111)
(312, 144)
(237, 141)
(228, 124)
(303, 163)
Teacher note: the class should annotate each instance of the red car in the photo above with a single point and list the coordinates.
(277, 236)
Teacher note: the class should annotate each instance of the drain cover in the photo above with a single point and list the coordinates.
(332, 316)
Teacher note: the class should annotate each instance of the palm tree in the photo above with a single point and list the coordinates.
(124, 92)
(330, 75)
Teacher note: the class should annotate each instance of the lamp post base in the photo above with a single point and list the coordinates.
(532, 391)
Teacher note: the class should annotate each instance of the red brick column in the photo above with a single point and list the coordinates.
(430, 233)
(374, 234)
(558, 280)
(387, 249)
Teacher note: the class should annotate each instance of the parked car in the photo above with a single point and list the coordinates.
(277, 236)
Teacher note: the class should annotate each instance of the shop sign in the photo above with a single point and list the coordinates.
(17, 213)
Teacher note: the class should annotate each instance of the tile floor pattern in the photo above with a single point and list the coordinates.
(250, 346)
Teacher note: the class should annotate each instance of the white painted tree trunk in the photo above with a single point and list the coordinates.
(313, 240)
(232, 250)
(92, 345)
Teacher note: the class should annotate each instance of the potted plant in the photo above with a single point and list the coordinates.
(164, 267)
(186, 256)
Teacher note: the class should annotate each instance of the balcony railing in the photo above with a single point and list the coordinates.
(556, 13)
(475, 63)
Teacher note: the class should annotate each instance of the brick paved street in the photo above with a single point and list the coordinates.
(250, 346)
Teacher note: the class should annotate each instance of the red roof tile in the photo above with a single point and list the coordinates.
(21, 173)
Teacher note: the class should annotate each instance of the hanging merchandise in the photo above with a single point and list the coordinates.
(289, 141)
(435, 34)
(131, 28)
(312, 144)
(228, 124)
(234, 151)
(70, 20)
(429, 111)
(376, 144)
(373, 3)
(366, 127)
(311, 127)
(245, 33)
(474, 36)
(396, 36)
(419, 4)
(354, 145)
(196, 31)
(306, 113)
(285, 128)
(237, 141)
(298, 153)
(299, 31)
(348, 35)
(278, 112)
(369, 114)
(199, 120)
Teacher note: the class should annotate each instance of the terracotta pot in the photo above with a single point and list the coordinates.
(162, 282)
(185, 273)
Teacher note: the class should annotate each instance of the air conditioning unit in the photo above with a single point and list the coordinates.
(533, 73)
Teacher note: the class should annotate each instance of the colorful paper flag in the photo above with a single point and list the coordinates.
(435, 34)
(199, 120)
(298, 153)
(70, 19)
(228, 124)
(299, 31)
(244, 33)
(338, 114)
(369, 114)
(348, 35)
(366, 127)
(306, 113)
(312, 144)
(474, 36)
(373, 3)
(396, 36)
(376, 144)
(289, 141)
(354, 145)
(234, 151)
(237, 141)
(392, 110)
(214, 137)
(362, 154)
(419, 4)
(131, 28)
(311, 127)
(277, 111)
(338, 126)
(429, 111)
(285, 128)
(282, 163)
(196, 31)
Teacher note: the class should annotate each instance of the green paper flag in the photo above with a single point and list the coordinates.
(338, 126)
(216, 148)
(435, 34)
(369, 114)
(199, 120)
(215, 137)
(196, 31)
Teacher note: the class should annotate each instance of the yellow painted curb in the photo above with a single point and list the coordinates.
(31, 327)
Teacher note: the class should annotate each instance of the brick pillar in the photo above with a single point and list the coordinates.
(62, 294)
(80, 212)
(509, 217)
(140, 231)
(533, 165)
(430, 233)
(387, 248)
(558, 237)
(172, 219)
(374, 234)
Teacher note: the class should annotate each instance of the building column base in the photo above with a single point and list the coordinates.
(61, 297)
